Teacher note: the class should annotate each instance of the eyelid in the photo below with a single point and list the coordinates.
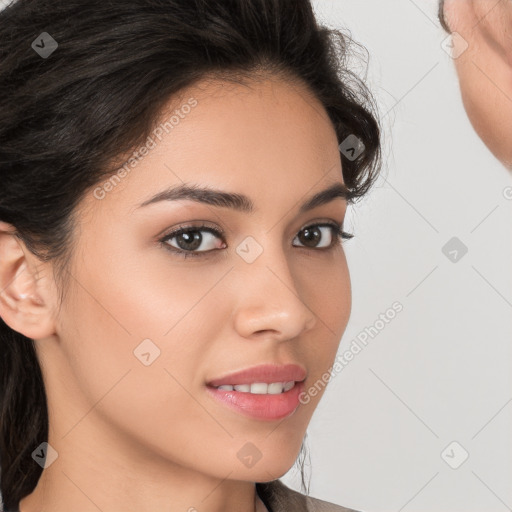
(192, 225)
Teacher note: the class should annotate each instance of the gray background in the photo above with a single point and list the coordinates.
(440, 371)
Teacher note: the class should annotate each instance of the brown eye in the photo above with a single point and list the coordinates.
(189, 239)
(311, 235)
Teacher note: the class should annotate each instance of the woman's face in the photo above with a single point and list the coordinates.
(143, 329)
(484, 68)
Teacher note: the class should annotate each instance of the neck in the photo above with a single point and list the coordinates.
(99, 475)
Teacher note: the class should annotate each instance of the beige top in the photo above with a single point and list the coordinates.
(277, 497)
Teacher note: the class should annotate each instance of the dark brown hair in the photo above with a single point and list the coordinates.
(65, 118)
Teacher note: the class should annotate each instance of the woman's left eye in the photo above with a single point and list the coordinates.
(189, 238)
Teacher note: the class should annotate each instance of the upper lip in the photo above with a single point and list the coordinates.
(267, 373)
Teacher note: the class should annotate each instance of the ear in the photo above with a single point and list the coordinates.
(27, 289)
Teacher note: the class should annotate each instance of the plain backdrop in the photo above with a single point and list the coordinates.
(421, 418)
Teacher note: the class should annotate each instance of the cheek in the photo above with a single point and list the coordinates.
(453, 13)
(462, 15)
(486, 105)
(329, 296)
(126, 322)
(145, 395)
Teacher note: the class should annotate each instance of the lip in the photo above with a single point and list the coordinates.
(266, 373)
(260, 407)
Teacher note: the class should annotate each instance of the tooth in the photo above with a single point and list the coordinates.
(289, 385)
(225, 387)
(259, 388)
(275, 388)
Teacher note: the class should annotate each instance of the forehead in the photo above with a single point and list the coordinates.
(260, 137)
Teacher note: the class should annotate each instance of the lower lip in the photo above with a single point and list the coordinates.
(262, 407)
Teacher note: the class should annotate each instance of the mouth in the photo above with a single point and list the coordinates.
(267, 392)
(263, 401)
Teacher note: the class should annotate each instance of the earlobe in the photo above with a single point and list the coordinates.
(26, 297)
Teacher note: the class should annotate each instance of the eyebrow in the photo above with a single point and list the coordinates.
(240, 202)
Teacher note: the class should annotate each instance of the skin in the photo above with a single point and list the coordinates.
(485, 68)
(145, 438)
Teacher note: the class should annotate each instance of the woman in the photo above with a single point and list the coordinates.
(175, 177)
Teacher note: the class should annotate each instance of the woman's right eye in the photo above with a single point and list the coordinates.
(189, 240)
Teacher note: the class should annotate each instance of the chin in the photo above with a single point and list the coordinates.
(266, 470)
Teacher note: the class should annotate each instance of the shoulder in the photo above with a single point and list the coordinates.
(280, 498)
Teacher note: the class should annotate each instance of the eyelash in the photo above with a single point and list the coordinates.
(337, 230)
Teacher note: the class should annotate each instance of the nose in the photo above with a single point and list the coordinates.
(269, 301)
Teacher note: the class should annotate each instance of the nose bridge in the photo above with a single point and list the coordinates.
(267, 295)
